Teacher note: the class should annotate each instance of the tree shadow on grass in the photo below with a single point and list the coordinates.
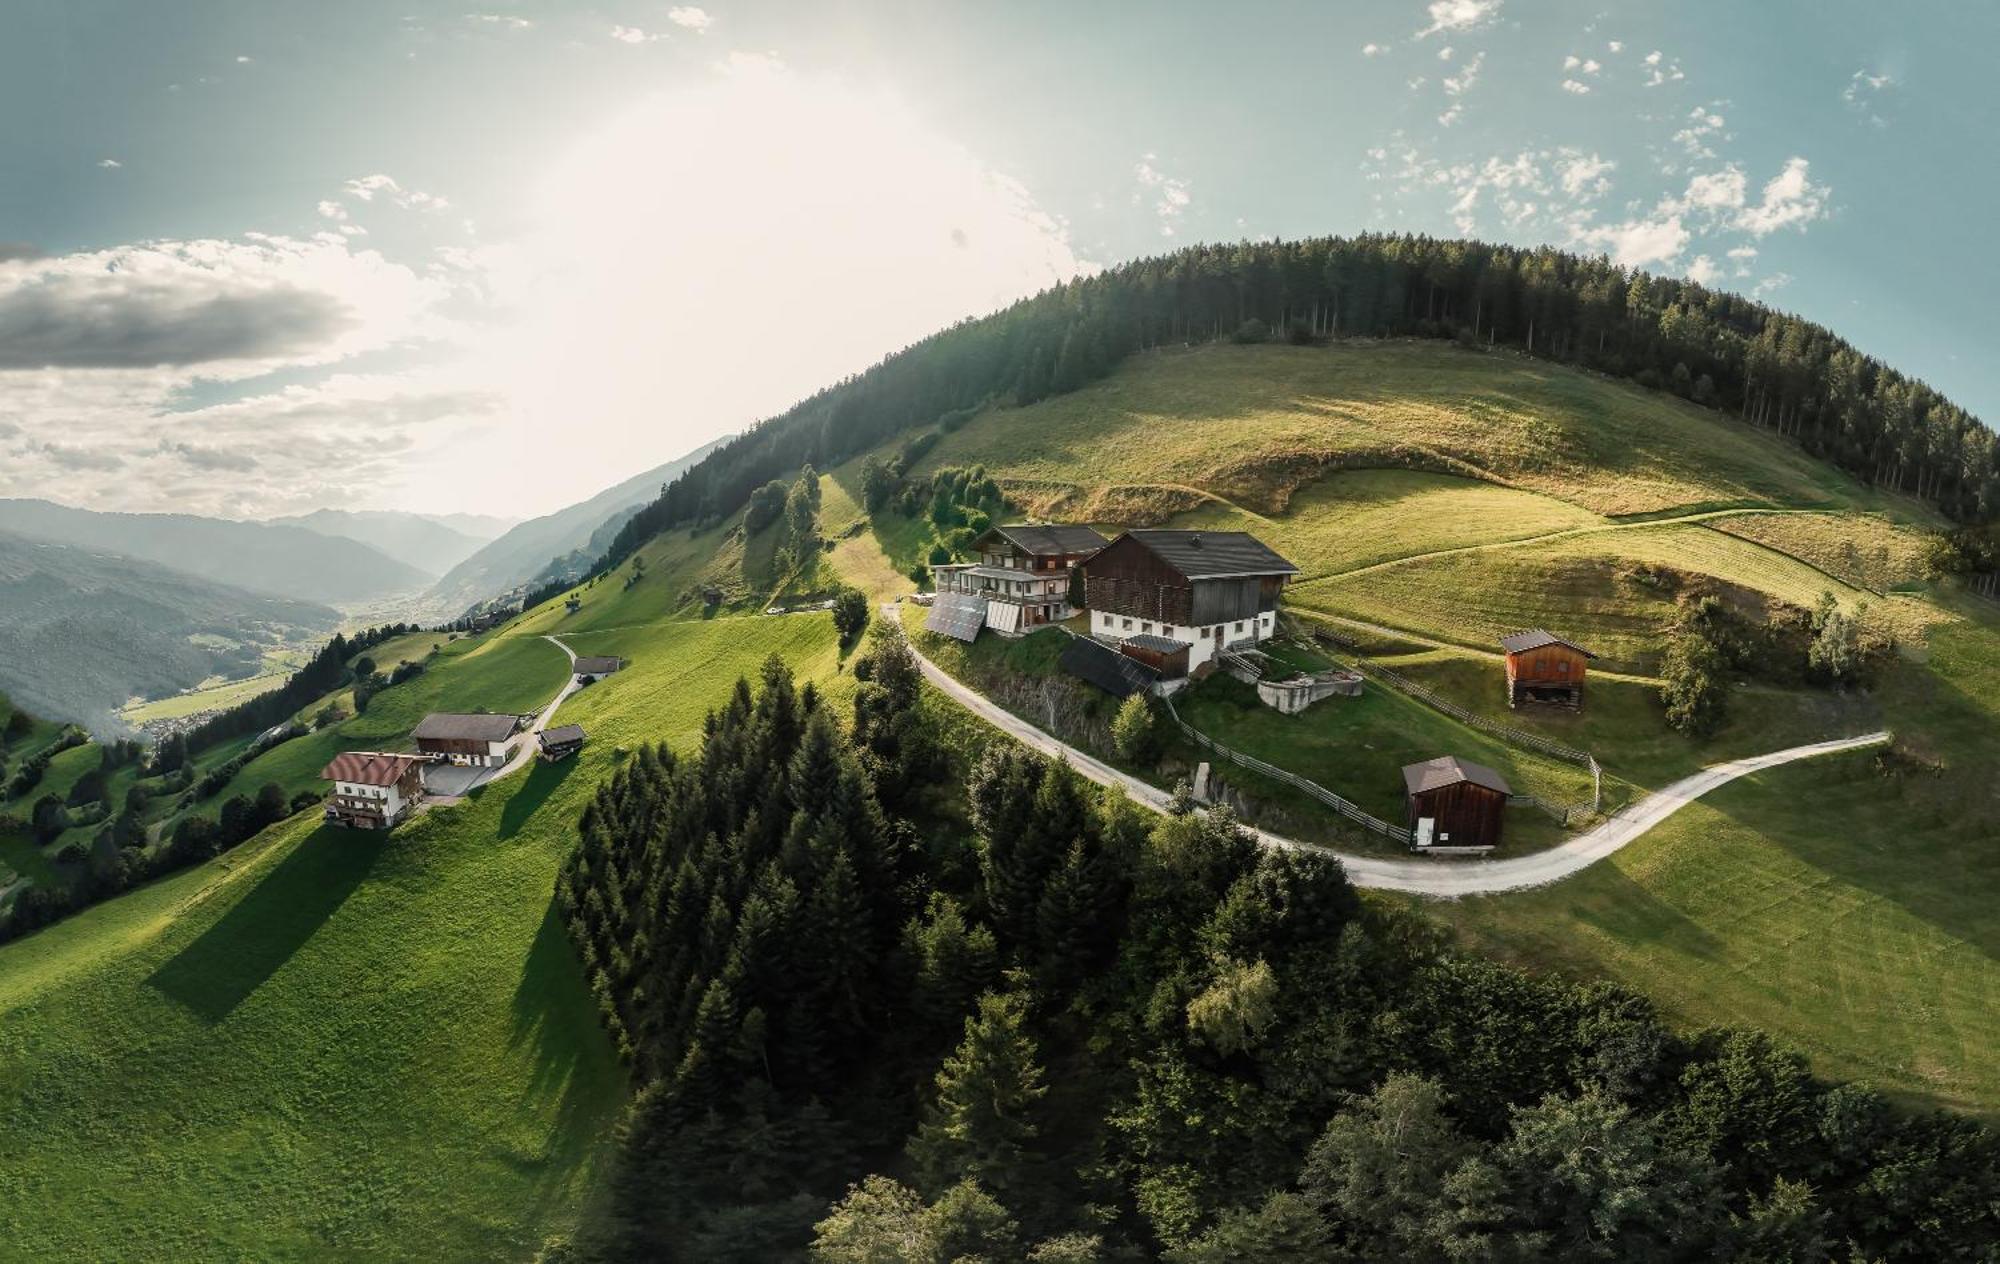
(1630, 914)
(541, 782)
(573, 1074)
(256, 937)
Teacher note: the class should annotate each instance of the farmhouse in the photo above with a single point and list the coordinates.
(467, 739)
(560, 742)
(1542, 667)
(373, 790)
(1455, 803)
(589, 668)
(1209, 590)
(1020, 582)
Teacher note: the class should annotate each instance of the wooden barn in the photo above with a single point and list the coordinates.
(467, 739)
(560, 742)
(590, 667)
(1455, 803)
(1209, 590)
(1542, 667)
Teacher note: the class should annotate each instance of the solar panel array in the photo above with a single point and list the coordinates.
(959, 615)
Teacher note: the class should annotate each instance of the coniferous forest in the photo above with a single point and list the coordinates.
(885, 998)
(1755, 363)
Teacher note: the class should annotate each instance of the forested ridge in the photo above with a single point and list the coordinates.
(871, 1016)
(1752, 362)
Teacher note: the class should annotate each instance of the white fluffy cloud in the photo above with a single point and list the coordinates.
(1790, 200)
(1642, 242)
(1459, 15)
(691, 18)
(633, 35)
(1169, 194)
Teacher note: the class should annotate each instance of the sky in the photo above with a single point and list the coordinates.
(262, 257)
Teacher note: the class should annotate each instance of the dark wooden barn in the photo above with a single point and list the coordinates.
(560, 742)
(1455, 803)
(467, 739)
(1543, 667)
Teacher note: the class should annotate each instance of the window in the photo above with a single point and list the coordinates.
(1126, 625)
(1562, 667)
(1145, 627)
(1239, 627)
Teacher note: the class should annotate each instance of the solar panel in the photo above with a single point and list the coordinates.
(958, 615)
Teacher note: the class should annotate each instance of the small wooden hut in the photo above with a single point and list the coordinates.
(1543, 667)
(1455, 803)
(1163, 654)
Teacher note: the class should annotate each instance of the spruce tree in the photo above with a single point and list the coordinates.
(981, 1122)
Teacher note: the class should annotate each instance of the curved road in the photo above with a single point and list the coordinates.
(1432, 876)
(526, 749)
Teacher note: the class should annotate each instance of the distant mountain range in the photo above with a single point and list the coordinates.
(82, 631)
(534, 548)
(433, 543)
(277, 559)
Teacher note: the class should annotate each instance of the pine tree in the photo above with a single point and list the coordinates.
(981, 1121)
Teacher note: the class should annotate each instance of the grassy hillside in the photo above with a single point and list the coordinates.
(1254, 424)
(331, 1044)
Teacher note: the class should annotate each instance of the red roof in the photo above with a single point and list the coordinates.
(368, 768)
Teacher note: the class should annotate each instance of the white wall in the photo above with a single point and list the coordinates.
(1200, 641)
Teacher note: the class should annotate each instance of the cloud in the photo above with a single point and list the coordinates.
(1459, 15)
(505, 20)
(242, 61)
(1374, 50)
(1660, 70)
(1717, 190)
(1868, 95)
(109, 164)
(1456, 86)
(1616, 46)
(1771, 284)
(1575, 88)
(1585, 175)
(690, 17)
(1170, 193)
(1640, 242)
(633, 35)
(76, 459)
(333, 210)
(201, 303)
(1790, 200)
(1703, 123)
(368, 188)
(210, 459)
(1703, 270)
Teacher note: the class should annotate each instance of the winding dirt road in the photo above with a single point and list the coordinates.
(1442, 877)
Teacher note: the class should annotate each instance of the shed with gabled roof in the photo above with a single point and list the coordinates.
(1455, 803)
(1543, 667)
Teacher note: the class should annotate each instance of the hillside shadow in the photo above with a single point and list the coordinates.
(543, 779)
(255, 938)
(556, 1027)
(1628, 912)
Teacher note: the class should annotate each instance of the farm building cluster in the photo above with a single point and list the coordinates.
(1162, 607)
(381, 789)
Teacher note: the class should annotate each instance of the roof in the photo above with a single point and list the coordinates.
(957, 614)
(1536, 638)
(561, 735)
(1046, 539)
(1450, 770)
(1214, 554)
(590, 665)
(445, 727)
(1157, 644)
(369, 768)
(1098, 664)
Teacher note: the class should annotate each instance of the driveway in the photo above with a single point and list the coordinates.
(448, 783)
(1433, 876)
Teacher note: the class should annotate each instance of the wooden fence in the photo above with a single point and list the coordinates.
(1374, 824)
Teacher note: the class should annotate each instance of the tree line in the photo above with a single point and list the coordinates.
(870, 1019)
(1765, 367)
(325, 671)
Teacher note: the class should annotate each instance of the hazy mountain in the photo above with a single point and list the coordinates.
(82, 631)
(429, 542)
(274, 558)
(526, 551)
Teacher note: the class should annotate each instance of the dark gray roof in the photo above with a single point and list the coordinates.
(1449, 770)
(1100, 665)
(1214, 554)
(562, 734)
(1157, 644)
(447, 727)
(1046, 539)
(1536, 638)
(596, 665)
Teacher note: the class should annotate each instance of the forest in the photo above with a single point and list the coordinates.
(1762, 366)
(885, 996)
